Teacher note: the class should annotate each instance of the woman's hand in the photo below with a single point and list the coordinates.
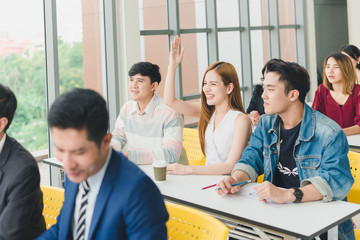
(178, 169)
(255, 117)
(176, 55)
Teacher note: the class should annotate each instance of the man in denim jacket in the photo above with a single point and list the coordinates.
(313, 163)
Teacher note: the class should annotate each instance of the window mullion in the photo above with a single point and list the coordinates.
(211, 19)
(174, 27)
(299, 13)
(245, 46)
(51, 59)
(274, 33)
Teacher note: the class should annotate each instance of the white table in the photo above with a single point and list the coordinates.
(354, 141)
(288, 221)
(247, 214)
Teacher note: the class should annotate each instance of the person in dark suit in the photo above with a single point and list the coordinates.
(106, 195)
(21, 201)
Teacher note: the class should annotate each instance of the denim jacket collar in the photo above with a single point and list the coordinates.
(307, 129)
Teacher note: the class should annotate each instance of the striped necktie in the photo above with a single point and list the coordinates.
(80, 230)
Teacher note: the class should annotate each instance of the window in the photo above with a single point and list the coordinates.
(196, 52)
(156, 51)
(22, 69)
(155, 10)
(80, 47)
(80, 44)
(223, 30)
(73, 54)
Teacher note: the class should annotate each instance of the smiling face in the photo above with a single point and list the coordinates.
(215, 91)
(141, 89)
(333, 71)
(274, 96)
(81, 157)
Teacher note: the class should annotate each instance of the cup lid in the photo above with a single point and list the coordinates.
(160, 163)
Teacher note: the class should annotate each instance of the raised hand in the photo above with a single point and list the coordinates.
(176, 55)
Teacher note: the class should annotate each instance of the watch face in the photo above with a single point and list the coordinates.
(298, 194)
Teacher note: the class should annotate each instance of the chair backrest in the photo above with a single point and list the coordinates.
(354, 160)
(260, 178)
(192, 147)
(189, 223)
(53, 200)
(357, 234)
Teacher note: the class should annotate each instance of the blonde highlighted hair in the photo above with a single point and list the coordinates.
(347, 70)
(228, 75)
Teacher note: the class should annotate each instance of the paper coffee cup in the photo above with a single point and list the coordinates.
(159, 170)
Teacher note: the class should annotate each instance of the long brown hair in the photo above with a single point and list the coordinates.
(228, 75)
(347, 70)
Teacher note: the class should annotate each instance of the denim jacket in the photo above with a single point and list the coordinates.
(320, 153)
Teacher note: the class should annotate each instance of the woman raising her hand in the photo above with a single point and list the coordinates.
(224, 128)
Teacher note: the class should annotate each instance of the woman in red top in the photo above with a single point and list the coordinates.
(338, 97)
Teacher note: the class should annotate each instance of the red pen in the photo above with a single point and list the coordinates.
(208, 186)
(247, 181)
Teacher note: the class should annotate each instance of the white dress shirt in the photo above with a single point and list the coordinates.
(2, 142)
(95, 182)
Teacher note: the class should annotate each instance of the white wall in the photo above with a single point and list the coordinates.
(129, 42)
(353, 8)
(310, 46)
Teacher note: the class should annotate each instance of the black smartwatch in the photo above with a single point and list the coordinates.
(298, 194)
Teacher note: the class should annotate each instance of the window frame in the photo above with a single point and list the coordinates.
(244, 30)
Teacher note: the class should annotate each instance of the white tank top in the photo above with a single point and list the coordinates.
(218, 143)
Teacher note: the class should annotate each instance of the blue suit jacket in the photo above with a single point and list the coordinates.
(128, 206)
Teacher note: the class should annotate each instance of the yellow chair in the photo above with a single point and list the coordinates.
(354, 194)
(192, 147)
(260, 178)
(357, 233)
(188, 223)
(53, 200)
(354, 160)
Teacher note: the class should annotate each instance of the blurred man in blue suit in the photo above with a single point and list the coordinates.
(106, 196)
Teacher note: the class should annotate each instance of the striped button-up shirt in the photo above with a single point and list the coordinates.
(156, 134)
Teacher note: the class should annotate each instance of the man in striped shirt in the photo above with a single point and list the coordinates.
(147, 130)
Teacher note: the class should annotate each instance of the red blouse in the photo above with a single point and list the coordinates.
(346, 116)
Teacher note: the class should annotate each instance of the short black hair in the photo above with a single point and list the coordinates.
(146, 69)
(8, 105)
(352, 51)
(81, 109)
(293, 75)
(269, 62)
